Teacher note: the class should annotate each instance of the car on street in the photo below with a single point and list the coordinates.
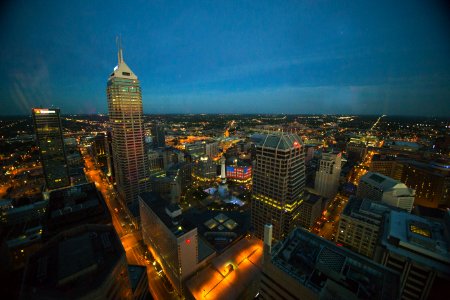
(157, 267)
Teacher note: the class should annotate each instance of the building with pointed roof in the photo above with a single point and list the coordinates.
(278, 183)
(127, 123)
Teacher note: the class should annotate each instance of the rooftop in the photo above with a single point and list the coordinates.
(78, 204)
(73, 263)
(366, 210)
(220, 229)
(158, 205)
(136, 272)
(229, 274)
(380, 157)
(312, 198)
(418, 238)
(382, 182)
(313, 261)
(122, 70)
(281, 140)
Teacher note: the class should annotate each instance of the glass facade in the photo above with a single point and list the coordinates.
(159, 137)
(162, 242)
(47, 124)
(126, 120)
(278, 184)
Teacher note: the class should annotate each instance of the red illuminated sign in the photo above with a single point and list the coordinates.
(188, 241)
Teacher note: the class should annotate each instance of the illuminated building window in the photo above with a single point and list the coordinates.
(417, 229)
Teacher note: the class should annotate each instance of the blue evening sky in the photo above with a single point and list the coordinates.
(355, 57)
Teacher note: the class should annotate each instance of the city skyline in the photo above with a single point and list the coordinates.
(227, 149)
(298, 58)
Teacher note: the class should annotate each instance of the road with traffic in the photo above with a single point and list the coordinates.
(130, 236)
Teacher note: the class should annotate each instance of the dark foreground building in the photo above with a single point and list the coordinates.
(49, 138)
(305, 266)
(86, 262)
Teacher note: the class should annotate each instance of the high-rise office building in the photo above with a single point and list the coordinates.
(360, 223)
(212, 149)
(356, 150)
(173, 241)
(159, 137)
(430, 180)
(155, 161)
(205, 169)
(377, 187)
(49, 137)
(196, 149)
(327, 176)
(416, 248)
(383, 164)
(278, 183)
(126, 120)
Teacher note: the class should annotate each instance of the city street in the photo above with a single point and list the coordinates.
(331, 219)
(129, 236)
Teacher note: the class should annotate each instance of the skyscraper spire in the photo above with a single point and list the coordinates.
(119, 49)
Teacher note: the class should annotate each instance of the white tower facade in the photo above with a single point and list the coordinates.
(326, 183)
(378, 187)
(223, 178)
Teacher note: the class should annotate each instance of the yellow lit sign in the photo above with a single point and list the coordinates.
(43, 111)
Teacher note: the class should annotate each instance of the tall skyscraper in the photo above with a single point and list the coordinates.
(126, 120)
(47, 124)
(278, 183)
(159, 137)
(327, 176)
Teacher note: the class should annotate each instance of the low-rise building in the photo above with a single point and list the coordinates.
(11, 215)
(238, 170)
(378, 187)
(305, 266)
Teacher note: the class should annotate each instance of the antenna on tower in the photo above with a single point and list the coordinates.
(119, 49)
